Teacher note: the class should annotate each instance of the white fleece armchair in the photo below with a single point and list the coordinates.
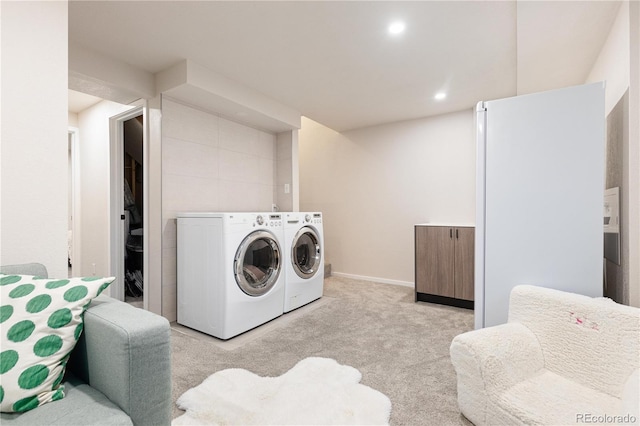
(561, 359)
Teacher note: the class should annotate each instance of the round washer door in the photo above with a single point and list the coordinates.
(305, 253)
(257, 263)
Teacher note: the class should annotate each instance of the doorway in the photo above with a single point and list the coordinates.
(128, 200)
(133, 203)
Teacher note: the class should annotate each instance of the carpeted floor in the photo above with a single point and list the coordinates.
(400, 347)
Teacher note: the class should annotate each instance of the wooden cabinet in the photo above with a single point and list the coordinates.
(444, 264)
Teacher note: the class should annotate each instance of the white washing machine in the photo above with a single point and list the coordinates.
(230, 271)
(304, 258)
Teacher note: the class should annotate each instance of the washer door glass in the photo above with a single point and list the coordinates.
(305, 253)
(257, 263)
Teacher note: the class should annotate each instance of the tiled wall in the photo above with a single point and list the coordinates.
(209, 164)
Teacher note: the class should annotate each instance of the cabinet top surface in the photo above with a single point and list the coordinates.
(451, 224)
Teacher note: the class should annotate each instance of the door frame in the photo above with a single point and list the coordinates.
(76, 227)
(116, 224)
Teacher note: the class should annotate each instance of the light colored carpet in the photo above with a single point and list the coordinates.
(400, 347)
(315, 391)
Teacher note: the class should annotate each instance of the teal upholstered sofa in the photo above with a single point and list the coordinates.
(118, 374)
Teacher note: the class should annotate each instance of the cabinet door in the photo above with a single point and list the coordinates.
(464, 263)
(434, 260)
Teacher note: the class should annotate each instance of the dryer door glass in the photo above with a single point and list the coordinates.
(305, 253)
(257, 263)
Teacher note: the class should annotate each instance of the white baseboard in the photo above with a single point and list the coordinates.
(374, 279)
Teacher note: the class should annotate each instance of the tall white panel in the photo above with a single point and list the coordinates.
(539, 196)
(34, 134)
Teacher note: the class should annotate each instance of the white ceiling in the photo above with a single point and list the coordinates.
(335, 62)
(79, 101)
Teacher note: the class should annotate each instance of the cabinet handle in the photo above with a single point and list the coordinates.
(456, 234)
(450, 233)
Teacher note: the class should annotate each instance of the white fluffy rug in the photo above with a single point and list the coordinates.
(316, 391)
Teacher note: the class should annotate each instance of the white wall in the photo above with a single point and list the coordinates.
(634, 154)
(73, 119)
(208, 164)
(287, 171)
(614, 65)
(374, 184)
(107, 78)
(95, 185)
(34, 134)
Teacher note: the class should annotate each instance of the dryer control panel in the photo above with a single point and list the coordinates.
(271, 220)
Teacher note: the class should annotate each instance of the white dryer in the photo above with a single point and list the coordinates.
(230, 271)
(304, 258)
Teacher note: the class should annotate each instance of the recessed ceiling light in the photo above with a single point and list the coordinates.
(440, 96)
(396, 27)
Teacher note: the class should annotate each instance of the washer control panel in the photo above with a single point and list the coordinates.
(313, 218)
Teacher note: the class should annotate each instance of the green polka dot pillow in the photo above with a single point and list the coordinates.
(41, 320)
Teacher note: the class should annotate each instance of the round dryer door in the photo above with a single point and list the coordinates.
(305, 253)
(257, 263)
